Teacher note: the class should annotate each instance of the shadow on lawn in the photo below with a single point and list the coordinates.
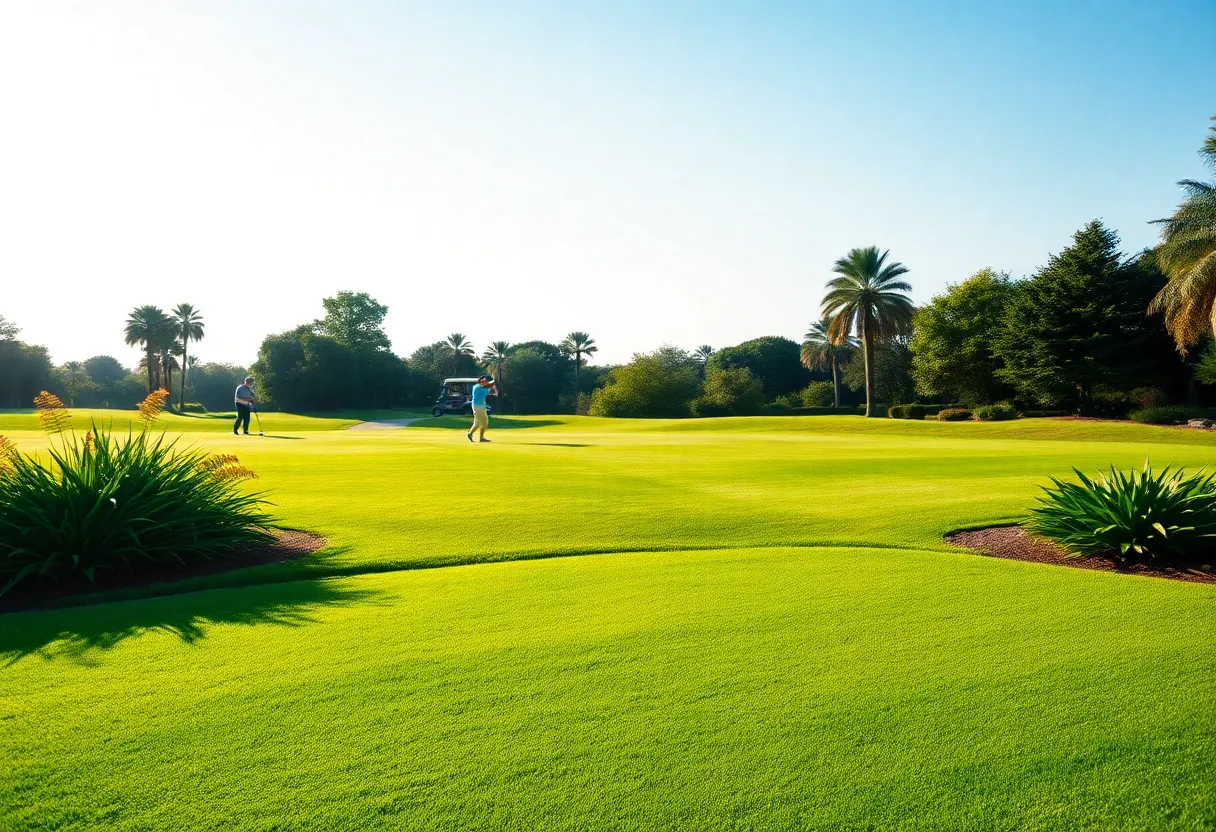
(76, 632)
(496, 423)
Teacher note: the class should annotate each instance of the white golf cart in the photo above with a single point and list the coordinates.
(456, 396)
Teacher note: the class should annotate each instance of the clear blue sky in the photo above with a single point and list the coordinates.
(647, 172)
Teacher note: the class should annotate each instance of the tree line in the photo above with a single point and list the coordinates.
(1094, 331)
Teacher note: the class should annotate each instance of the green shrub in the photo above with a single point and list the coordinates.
(705, 409)
(193, 407)
(906, 411)
(1146, 397)
(1042, 414)
(1172, 414)
(954, 414)
(1140, 516)
(817, 394)
(995, 413)
(106, 503)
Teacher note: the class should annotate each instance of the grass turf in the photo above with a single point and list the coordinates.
(815, 659)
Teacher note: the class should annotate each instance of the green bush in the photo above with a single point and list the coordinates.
(1141, 516)
(1171, 414)
(1042, 414)
(731, 392)
(995, 413)
(817, 394)
(103, 503)
(1145, 397)
(193, 407)
(906, 411)
(954, 414)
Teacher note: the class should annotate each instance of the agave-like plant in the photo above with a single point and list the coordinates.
(103, 503)
(1141, 516)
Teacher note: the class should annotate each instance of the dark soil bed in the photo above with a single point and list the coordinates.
(290, 545)
(1014, 543)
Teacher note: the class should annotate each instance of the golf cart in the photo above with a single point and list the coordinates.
(456, 396)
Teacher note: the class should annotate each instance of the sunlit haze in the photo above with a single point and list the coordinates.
(649, 173)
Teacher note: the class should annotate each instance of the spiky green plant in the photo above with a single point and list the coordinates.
(102, 503)
(1141, 516)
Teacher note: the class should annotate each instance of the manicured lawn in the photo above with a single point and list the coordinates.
(22, 420)
(765, 632)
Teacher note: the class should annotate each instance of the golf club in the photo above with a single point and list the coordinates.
(258, 416)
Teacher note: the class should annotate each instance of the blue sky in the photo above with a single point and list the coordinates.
(650, 173)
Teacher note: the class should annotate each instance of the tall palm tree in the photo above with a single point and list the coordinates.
(148, 327)
(188, 322)
(819, 352)
(494, 355)
(458, 347)
(868, 297)
(576, 345)
(1187, 254)
(702, 353)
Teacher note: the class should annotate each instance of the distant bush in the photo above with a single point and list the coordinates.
(1143, 516)
(1146, 397)
(906, 411)
(1172, 414)
(731, 392)
(994, 413)
(817, 394)
(1042, 414)
(657, 385)
(193, 407)
(781, 407)
(105, 503)
(954, 414)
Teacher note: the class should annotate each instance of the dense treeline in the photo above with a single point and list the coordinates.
(100, 381)
(1094, 331)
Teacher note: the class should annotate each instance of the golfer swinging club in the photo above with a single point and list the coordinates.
(481, 417)
(245, 401)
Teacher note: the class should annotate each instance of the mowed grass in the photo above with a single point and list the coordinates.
(755, 625)
(272, 422)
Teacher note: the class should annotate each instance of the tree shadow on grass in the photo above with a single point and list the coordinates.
(496, 422)
(76, 633)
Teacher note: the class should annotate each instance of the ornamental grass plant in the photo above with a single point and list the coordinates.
(1145, 516)
(103, 502)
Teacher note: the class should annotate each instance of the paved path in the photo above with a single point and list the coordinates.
(385, 424)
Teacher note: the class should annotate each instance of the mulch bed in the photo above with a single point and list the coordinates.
(291, 544)
(1013, 543)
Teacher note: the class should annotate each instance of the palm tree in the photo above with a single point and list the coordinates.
(1187, 254)
(458, 346)
(494, 355)
(148, 327)
(702, 353)
(820, 353)
(576, 345)
(188, 322)
(869, 297)
(168, 363)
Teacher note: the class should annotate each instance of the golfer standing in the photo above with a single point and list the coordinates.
(245, 401)
(481, 417)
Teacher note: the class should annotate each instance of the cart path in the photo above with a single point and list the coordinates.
(384, 424)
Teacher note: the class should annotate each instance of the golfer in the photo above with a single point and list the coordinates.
(245, 400)
(481, 417)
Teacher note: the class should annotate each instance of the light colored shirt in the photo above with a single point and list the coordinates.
(243, 392)
(479, 395)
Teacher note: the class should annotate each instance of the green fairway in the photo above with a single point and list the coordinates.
(23, 420)
(710, 624)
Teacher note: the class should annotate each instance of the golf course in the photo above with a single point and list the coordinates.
(736, 623)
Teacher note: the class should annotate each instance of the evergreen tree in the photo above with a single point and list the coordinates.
(1079, 323)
